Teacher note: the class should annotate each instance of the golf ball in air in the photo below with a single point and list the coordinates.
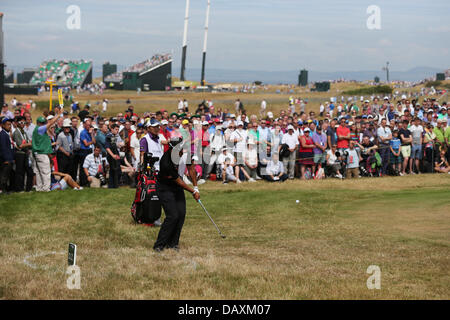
(297, 201)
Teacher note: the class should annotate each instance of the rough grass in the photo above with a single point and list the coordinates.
(275, 248)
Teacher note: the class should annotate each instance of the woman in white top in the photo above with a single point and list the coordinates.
(135, 146)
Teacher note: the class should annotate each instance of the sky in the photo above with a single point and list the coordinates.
(269, 35)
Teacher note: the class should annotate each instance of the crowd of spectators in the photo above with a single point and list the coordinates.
(155, 60)
(374, 138)
(63, 72)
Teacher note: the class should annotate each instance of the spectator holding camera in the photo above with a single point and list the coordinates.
(332, 162)
(94, 167)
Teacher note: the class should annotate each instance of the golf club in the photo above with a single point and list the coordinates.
(221, 234)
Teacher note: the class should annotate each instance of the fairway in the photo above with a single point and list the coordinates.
(319, 248)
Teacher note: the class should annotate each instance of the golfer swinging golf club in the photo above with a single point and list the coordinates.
(170, 187)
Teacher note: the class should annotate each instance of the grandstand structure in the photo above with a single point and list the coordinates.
(70, 73)
(152, 74)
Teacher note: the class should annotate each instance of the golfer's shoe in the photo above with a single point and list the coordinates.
(158, 249)
(157, 223)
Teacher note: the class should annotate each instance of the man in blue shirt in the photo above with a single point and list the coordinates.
(87, 141)
(101, 138)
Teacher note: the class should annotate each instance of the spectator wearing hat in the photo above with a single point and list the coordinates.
(151, 143)
(306, 154)
(87, 141)
(6, 156)
(275, 170)
(406, 139)
(251, 161)
(320, 141)
(22, 157)
(239, 139)
(64, 153)
(416, 146)
(291, 140)
(42, 148)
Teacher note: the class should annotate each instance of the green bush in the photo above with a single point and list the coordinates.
(44, 105)
(370, 90)
(435, 84)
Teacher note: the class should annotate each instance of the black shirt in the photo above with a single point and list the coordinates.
(406, 134)
(83, 114)
(168, 171)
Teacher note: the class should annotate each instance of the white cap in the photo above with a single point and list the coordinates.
(403, 96)
(290, 127)
(239, 123)
(205, 123)
(232, 115)
(50, 117)
(163, 122)
(385, 98)
(270, 114)
(194, 158)
(67, 123)
(306, 130)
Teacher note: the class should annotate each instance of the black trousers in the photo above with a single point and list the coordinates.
(114, 172)
(75, 165)
(83, 153)
(6, 172)
(23, 169)
(65, 163)
(174, 203)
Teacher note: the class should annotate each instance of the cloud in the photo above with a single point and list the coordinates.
(441, 29)
(385, 42)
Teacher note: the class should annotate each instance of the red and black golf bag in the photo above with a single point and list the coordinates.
(146, 207)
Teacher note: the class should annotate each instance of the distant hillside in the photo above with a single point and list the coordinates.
(273, 77)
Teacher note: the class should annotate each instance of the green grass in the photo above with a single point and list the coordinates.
(275, 248)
